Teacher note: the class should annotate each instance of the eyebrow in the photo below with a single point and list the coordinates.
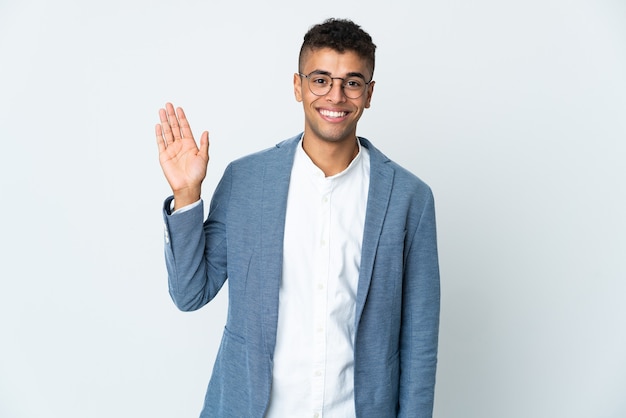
(350, 74)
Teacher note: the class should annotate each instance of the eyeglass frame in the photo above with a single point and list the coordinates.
(343, 80)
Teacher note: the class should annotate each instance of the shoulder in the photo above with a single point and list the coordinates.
(403, 180)
(272, 164)
(276, 153)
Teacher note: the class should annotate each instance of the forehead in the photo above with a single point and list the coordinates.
(334, 62)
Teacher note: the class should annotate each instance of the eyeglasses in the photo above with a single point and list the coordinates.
(320, 84)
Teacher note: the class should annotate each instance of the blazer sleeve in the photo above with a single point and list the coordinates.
(195, 251)
(420, 319)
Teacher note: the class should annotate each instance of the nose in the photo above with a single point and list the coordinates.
(336, 94)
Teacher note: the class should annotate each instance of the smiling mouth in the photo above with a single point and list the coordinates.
(332, 114)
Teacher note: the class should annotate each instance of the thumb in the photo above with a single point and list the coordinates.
(204, 144)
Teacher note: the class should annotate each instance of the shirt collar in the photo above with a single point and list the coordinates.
(304, 162)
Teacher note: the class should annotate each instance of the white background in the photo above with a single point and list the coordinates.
(513, 111)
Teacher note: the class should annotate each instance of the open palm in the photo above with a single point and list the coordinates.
(183, 163)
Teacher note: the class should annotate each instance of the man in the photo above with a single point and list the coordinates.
(329, 249)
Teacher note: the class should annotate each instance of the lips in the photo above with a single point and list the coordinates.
(332, 114)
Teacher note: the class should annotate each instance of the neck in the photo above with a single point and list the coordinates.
(331, 157)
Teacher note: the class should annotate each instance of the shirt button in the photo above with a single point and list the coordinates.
(323, 242)
(316, 415)
(320, 286)
(318, 373)
(325, 199)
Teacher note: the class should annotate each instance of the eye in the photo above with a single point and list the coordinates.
(354, 83)
(320, 80)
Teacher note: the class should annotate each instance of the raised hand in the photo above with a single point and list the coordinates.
(183, 163)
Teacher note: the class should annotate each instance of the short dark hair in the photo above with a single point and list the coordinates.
(340, 35)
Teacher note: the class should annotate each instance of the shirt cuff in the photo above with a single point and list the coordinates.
(184, 208)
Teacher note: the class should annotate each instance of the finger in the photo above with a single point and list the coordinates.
(173, 120)
(159, 138)
(184, 124)
(166, 129)
(204, 145)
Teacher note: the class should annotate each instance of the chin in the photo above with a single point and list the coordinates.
(331, 134)
(335, 136)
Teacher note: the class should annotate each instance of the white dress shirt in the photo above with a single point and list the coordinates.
(313, 374)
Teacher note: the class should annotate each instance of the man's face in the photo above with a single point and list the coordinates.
(332, 117)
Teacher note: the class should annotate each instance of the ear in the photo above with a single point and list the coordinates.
(297, 86)
(370, 92)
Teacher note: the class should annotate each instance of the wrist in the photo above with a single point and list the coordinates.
(186, 197)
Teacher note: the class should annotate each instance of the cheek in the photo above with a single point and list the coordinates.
(362, 106)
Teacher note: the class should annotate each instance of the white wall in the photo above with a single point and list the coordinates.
(514, 112)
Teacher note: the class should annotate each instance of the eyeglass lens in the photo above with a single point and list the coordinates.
(320, 85)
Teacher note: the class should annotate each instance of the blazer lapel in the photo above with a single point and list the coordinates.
(276, 174)
(381, 180)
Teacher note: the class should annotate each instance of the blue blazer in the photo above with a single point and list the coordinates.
(397, 302)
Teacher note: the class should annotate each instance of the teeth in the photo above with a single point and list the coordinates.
(332, 114)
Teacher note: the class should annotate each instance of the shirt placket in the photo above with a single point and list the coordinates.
(320, 298)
